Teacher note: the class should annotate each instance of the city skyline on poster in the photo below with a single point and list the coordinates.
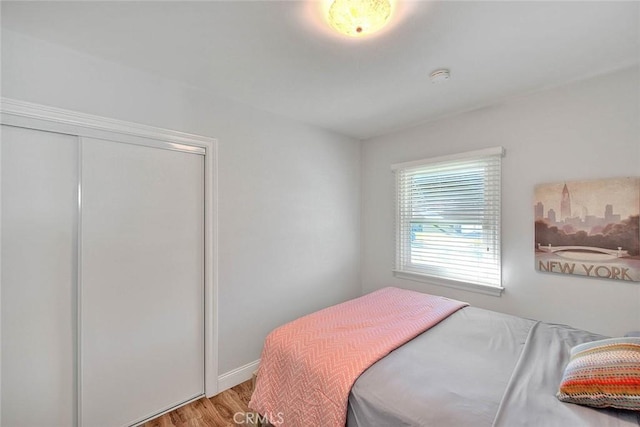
(589, 228)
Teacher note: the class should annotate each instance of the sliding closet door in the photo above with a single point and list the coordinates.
(141, 281)
(39, 211)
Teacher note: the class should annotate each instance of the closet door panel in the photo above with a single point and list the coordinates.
(39, 252)
(142, 296)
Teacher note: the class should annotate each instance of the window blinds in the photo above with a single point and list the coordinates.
(448, 217)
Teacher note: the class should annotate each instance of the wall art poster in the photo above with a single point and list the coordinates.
(589, 228)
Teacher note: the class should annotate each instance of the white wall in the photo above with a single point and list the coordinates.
(587, 130)
(289, 194)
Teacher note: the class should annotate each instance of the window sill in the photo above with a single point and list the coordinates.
(495, 291)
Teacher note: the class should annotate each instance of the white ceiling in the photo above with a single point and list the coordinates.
(280, 56)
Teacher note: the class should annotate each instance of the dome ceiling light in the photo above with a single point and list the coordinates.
(357, 18)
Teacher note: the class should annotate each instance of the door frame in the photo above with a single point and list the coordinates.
(40, 117)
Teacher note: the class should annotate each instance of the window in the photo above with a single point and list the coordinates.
(448, 220)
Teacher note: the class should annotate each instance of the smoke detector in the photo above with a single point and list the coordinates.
(439, 76)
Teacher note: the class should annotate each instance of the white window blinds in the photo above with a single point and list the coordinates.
(448, 217)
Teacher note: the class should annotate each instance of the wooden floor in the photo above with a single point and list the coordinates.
(218, 411)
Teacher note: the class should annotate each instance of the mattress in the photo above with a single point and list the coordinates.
(480, 368)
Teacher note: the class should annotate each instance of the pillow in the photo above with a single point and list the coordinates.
(603, 374)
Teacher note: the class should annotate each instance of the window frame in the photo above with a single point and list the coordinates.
(403, 241)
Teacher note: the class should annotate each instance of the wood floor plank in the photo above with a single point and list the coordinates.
(217, 411)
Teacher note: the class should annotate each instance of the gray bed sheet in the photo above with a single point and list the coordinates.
(477, 368)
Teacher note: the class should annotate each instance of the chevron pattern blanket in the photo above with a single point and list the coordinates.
(309, 365)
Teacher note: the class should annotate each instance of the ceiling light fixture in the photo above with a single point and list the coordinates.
(357, 18)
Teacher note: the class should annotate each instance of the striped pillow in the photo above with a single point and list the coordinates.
(603, 374)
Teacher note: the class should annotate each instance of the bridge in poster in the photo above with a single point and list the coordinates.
(617, 253)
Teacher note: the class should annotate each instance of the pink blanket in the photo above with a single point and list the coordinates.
(309, 365)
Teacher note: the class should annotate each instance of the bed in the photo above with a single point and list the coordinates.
(473, 367)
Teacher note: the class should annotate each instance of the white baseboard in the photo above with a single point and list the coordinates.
(237, 376)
